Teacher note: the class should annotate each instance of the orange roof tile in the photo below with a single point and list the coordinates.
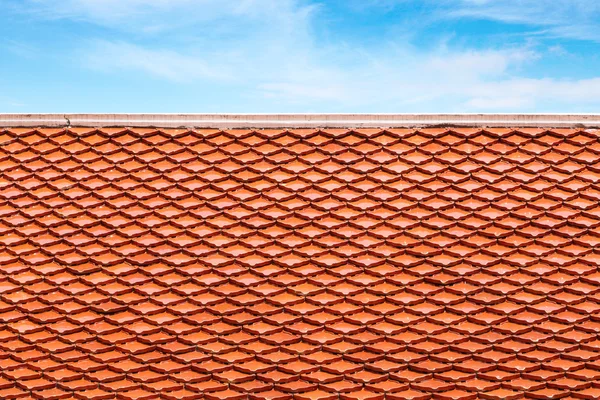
(432, 263)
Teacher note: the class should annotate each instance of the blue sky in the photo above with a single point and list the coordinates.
(261, 56)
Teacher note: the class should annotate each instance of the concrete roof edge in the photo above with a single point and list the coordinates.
(221, 121)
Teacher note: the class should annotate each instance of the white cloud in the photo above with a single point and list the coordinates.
(11, 102)
(167, 64)
(291, 68)
(19, 48)
(265, 51)
(152, 16)
(258, 39)
(112, 12)
(452, 81)
(573, 19)
(535, 12)
(521, 93)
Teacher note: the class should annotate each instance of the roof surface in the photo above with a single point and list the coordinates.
(434, 263)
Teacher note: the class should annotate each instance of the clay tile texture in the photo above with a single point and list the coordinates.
(278, 264)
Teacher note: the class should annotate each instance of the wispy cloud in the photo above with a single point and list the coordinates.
(522, 93)
(456, 81)
(535, 12)
(113, 12)
(153, 16)
(19, 48)
(571, 19)
(162, 63)
(575, 19)
(11, 102)
(387, 79)
(268, 51)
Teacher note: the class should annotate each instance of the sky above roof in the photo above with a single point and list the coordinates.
(268, 56)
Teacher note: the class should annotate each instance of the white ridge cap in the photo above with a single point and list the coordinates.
(222, 121)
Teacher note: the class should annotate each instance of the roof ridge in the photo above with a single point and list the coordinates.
(373, 120)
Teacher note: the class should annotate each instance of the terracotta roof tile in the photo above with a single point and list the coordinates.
(438, 263)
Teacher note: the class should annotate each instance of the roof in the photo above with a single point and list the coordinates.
(345, 263)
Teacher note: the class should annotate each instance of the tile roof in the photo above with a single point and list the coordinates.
(434, 263)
